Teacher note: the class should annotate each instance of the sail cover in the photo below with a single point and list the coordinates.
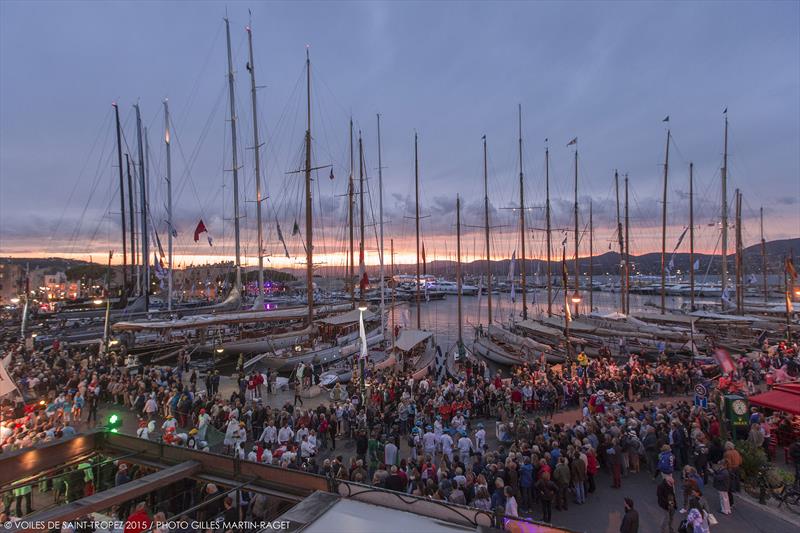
(411, 337)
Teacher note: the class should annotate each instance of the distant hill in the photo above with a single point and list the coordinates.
(649, 263)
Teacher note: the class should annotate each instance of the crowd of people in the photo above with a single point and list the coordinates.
(485, 439)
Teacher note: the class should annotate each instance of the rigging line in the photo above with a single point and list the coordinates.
(106, 119)
(201, 75)
(96, 183)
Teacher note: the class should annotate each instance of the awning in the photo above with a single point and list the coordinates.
(411, 337)
(780, 400)
(350, 317)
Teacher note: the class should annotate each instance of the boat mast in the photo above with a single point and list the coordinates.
(547, 221)
(664, 230)
(143, 194)
(691, 234)
(577, 239)
(591, 257)
(391, 251)
(132, 220)
(724, 176)
(257, 155)
(627, 252)
(739, 250)
(621, 248)
(763, 257)
(309, 203)
(486, 227)
(380, 217)
(522, 224)
(122, 207)
(458, 270)
(169, 205)
(350, 204)
(234, 155)
(416, 218)
(361, 251)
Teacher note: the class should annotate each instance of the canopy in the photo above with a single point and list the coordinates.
(778, 399)
(411, 337)
(350, 317)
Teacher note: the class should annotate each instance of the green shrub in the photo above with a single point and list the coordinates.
(753, 458)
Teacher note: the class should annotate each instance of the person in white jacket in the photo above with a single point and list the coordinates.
(203, 421)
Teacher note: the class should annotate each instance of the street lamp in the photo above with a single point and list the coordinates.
(97, 302)
(576, 298)
(14, 301)
(362, 359)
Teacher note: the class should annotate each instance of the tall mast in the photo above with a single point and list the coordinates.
(391, 251)
(522, 224)
(577, 238)
(763, 257)
(350, 204)
(361, 251)
(416, 218)
(486, 227)
(691, 234)
(547, 220)
(739, 250)
(724, 176)
(143, 194)
(664, 231)
(591, 257)
(458, 269)
(257, 159)
(122, 207)
(627, 252)
(234, 155)
(169, 205)
(132, 219)
(309, 203)
(621, 248)
(380, 218)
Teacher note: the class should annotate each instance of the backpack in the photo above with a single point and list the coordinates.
(665, 463)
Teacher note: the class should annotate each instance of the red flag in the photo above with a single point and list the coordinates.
(201, 228)
(724, 360)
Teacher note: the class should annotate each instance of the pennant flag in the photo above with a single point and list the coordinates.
(789, 305)
(573, 141)
(362, 333)
(666, 119)
(201, 228)
(7, 384)
(295, 228)
(331, 176)
(174, 233)
(280, 238)
(790, 270)
(158, 242)
(724, 360)
(249, 68)
(725, 111)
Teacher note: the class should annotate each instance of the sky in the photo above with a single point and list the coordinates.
(607, 73)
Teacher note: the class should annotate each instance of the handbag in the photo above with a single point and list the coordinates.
(712, 520)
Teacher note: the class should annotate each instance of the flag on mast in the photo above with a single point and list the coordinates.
(573, 141)
(201, 228)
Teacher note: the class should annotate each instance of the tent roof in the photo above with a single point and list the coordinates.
(350, 317)
(780, 400)
(411, 337)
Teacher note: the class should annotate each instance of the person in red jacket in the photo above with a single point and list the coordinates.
(139, 520)
(591, 468)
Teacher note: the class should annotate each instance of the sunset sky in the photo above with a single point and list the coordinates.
(607, 73)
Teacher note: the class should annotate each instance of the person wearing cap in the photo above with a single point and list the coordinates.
(170, 422)
(630, 520)
(143, 432)
(203, 421)
(480, 438)
(192, 440)
(122, 476)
